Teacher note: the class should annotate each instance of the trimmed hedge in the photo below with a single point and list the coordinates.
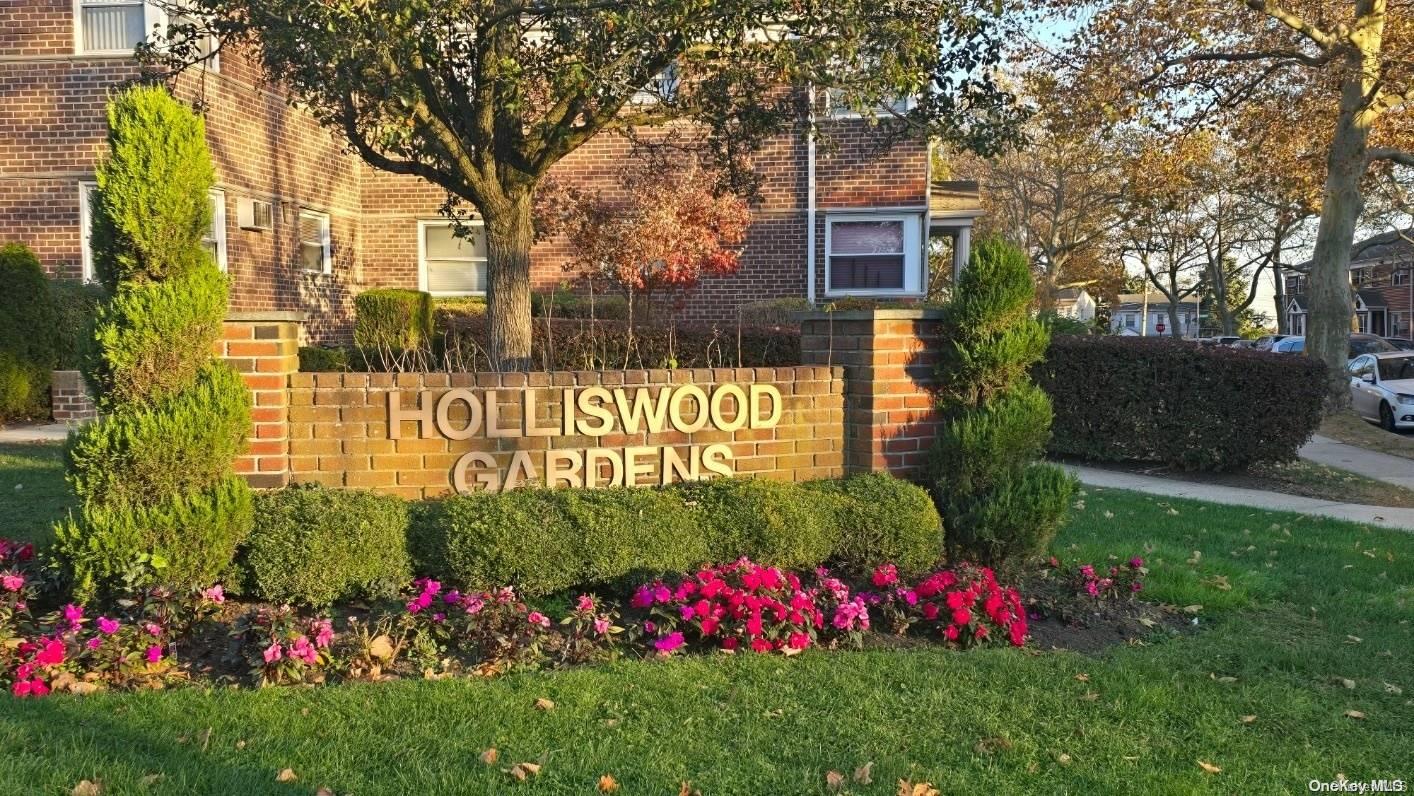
(392, 319)
(1189, 406)
(313, 546)
(545, 541)
(323, 360)
(27, 341)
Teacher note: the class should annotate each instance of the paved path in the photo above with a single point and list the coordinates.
(52, 432)
(1395, 470)
(1402, 519)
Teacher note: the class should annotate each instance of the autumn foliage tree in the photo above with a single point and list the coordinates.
(665, 228)
(483, 97)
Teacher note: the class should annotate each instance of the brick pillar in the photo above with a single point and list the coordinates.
(264, 348)
(70, 400)
(888, 358)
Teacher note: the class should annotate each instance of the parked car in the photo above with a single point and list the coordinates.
(1360, 343)
(1225, 339)
(1242, 343)
(1402, 343)
(1265, 342)
(1382, 388)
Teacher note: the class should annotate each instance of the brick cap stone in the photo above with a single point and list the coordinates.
(282, 316)
(890, 314)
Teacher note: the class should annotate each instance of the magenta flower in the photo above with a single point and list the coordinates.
(324, 633)
(51, 654)
(152, 629)
(585, 605)
(154, 653)
(474, 604)
(12, 582)
(537, 618)
(669, 643)
(1136, 562)
(601, 625)
(95, 642)
(72, 613)
(107, 626)
(273, 653)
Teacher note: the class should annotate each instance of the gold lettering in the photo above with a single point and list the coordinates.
(444, 419)
(759, 391)
(489, 479)
(738, 397)
(638, 461)
(642, 408)
(587, 405)
(420, 413)
(527, 417)
(675, 409)
(672, 465)
(556, 471)
(717, 458)
(567, 411)
(521, 471)
(592, 471)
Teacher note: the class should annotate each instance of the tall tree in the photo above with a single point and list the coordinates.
(483, 97)
(1340, 71)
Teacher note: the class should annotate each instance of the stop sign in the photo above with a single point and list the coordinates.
(1160, 327)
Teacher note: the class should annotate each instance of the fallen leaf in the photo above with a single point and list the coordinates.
(523, 771)
(1220, 582)
(906, 788)
(1354, 714)
(988, 746)
(286, 775)
(864, 775)
(688, 790)
(1083, 677)
(834, 781)
(152, 779)
(1248, 719)
(83, 688)
(1146, 622)
(87, 788)
(240, 744)
(490, 756)
(544, 704)
(205, 738)
(1197, 556)
(1089, 696)
(608, 784)
(324, 792)
(381, 648)
(1209, 767)
(1063, 759)
(1353, 639)
(1391, 688)
(1346, 681)
(1224, 679)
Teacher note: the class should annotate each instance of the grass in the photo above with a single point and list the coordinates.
(1291, 606)
(33, 494)
(1310, 479)
(1350, 428)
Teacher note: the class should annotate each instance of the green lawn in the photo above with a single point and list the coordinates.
(32, 491)
(1309, 603)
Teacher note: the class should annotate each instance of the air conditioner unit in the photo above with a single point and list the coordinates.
(256, 214)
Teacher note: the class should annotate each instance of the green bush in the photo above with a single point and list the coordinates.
(997, 503)
(313, 546)
(566, 304)
(773, 312)
(153, 475)
(27, 322)
(76, 308)
(768, 521)
(392, 319)
(545, 541)
(883, 519)
(323, 360)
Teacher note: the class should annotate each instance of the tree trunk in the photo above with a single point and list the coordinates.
(1174, 329)
(1279, 296)
(1331, 307)
(509, 233)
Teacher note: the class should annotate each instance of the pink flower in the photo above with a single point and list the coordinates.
(215, 594)
(669, 642)
(798, 641)
(273, 653)
(154, 653)
(152, 629)
(601, 625)
(95, 642)
(324, 633)
(585, 604)
(1136, 562)
(1136, 586)
(1092, 588)
(930, 611)
(884, 576)
(302, 650)
(51, 654)
(1087, 570)
(107, 626)
(473, 604)
(12, 582)
(650, 627)
(35, 687)
(951, 633)
(537, 618)
(760, 645)
(72, 613)
(962, 616)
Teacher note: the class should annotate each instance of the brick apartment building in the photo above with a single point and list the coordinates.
(1382, 273)
(303, 225)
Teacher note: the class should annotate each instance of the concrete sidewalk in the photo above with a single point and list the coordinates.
(1400, 519)
(50, 432)
(1395, 470)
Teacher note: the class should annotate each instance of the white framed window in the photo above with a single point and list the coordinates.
(873, 254)
(448, 265)
(1400, 277)
(113, 27)
(1130, 320)
(663, 87)
(214, 239)
(316, 250)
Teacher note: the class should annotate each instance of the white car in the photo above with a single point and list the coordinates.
(1382, 388)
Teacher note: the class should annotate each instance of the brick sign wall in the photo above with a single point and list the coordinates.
(496, 430)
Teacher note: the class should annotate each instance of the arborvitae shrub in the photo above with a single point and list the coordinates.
(76, 308)
(153, 474)
(27, 340)
(391, 319)
(313, 546)
(998, 504)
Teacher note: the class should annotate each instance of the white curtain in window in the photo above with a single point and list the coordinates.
(112, 25)
(454, 265)
(866, 237)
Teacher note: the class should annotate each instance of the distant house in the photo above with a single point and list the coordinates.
(1382, 273)
(1133, 315)
(1077, 303)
